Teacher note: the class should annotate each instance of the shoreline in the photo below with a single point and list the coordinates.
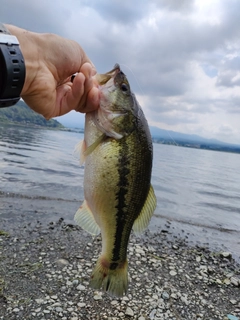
(45, 269)
(19, 209)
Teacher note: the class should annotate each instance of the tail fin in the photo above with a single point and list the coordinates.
(112, 277)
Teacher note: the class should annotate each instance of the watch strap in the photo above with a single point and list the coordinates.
(12, 75)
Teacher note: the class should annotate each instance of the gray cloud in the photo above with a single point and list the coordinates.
(184, 59)
(120, 11)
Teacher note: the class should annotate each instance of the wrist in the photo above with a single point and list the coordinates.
(28, 47)
(12, 75)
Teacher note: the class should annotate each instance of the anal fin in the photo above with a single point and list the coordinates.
(145, 215)
(85, 219)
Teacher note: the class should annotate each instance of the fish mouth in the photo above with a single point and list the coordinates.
(104, 78)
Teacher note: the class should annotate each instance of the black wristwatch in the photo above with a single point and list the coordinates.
(12, 68)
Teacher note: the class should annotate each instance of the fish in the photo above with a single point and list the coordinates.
(117, 150)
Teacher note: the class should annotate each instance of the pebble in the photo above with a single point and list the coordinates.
(59, 309)
(39, 301)
(129, 312)
(46, 311)
(81, 287)
(97, 297)
(157, 275)
(165, 295)
(152, 314)
(75, 282)
(226, 254)
(62, 262)
(235, 281)
(231, 317)
(81, 304)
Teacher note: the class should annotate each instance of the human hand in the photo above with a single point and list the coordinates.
(50, 62)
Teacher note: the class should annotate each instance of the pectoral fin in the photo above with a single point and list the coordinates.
(144, 217)
(79, 151)
(84, 218)
(93, 146)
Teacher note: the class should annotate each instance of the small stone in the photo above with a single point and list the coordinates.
(218, 281)
(129, 312)
(235, 281)
(62, 262)
(59, 309)
(75, 282)
(81, 287)
(140, 251)
(68, 283)
(16, 310)
(226, 281)
(152, 314)
(233, 301)
(70, 309)
(39, 301)
(46, 311)
(142, 318)
(173, 273)
(125, 298)
(226, 254)
(165, 295)
(184, 300)
(114, 302)
(81, 304)
(231, 317)
(97, 297)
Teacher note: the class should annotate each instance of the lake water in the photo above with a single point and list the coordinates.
(198, 191)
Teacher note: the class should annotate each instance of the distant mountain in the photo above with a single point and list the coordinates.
(172, 135)
(191, 140)
(22, 114)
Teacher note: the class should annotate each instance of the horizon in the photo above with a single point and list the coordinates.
(79, 124)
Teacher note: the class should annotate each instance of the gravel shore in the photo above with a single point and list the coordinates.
(45, 269)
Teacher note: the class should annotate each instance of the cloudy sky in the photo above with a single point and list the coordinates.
(182, 57)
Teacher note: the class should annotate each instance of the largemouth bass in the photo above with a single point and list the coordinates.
(117, 150)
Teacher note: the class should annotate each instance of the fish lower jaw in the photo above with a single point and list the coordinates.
(112, 277)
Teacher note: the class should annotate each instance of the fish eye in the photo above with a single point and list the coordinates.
(124, 87)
